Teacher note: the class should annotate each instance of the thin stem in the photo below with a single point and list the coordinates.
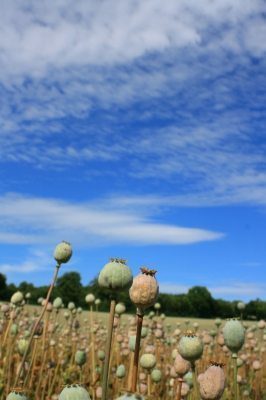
(195, 383)
(234, 357)
(36, 324)
(136, 353)
(108, 350)
(179, 388)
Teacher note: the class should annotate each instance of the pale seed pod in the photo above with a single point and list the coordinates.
(184, 389)
(261, 324)
(256, 365)
(212, 383)
(241, 306)
(156, 375)
(57, 303)
(90, 298)
(181, 365)
(63, 252)
(147, 361)
(121, 371)
(17, 298)
(144, 290)
(120, 308)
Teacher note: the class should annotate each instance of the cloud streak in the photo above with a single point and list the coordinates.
(37, 220)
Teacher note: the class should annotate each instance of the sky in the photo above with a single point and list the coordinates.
(135, 129)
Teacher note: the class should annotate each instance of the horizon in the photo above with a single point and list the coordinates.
(135, 130)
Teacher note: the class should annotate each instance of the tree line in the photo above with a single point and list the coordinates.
(197, 302)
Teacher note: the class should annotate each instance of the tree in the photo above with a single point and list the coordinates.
(69, 288)
(201, 301)
(3, 288)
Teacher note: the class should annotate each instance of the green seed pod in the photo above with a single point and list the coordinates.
(121, 371)
(156, 375)
(120, 308)
(132, 342)
(97, 302)
(17, 298)
(63, 252)
(74, 392)
(157, 306)
(147, 361)
(57, 303)
(190, 347)
(188, 378)
(22, 346)
(28, 295)
(218, 322)
(144, 331)
(101, 355)
(115, 275)
(14, 329)
(80, 357)
(234, 335)
(90, 298)
(16, 395)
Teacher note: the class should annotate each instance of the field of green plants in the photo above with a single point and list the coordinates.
(56, 351)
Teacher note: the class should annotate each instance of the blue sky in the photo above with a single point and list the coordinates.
(137, 130)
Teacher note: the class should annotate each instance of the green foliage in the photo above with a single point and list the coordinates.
(198, 302)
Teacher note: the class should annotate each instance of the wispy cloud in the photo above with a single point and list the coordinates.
(38, 220)
(179, 69)
(35, 261)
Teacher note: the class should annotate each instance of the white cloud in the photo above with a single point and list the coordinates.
(36, 261)
(38, 220)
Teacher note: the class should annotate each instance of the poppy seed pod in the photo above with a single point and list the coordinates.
(212, 383)
(16, 298)
(241, 306)
(22, 346)
(181, 365)
(90, 298)
(63, 252)
(74, 392)
(156, 375)
(218, 322)
(190, 347)
(147, 361)
(121, 371)
(234, 335)
(17, 395)
(144, 290)
(57, 303)
(120, 308)
(80, 357)
(115, 275)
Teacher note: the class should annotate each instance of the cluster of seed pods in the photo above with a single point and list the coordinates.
(66, 353)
